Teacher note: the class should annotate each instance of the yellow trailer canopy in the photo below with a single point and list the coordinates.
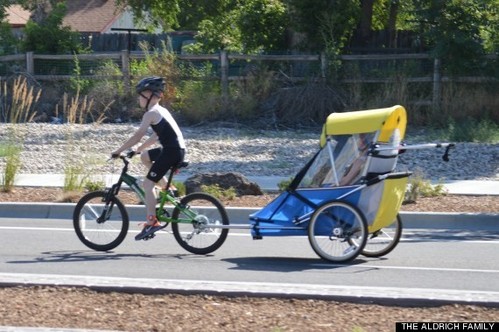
(386, 120)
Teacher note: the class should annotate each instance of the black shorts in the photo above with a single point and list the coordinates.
(163, 159)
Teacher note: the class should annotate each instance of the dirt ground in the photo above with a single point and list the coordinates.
(447, 203)
(61, 307)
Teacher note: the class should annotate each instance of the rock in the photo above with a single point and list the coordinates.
(224, 180)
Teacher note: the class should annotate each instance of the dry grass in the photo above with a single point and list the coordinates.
(19, 108)
(79, 110)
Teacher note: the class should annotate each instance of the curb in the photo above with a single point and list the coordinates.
(354, 294)
(240, 215)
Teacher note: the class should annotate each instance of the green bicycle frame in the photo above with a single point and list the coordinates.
(165, 197)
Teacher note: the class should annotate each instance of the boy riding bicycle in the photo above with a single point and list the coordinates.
(159, 160)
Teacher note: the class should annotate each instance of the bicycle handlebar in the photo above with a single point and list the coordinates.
(128, 155)
(404, 148)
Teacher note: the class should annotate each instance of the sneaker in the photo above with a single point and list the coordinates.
(148, 230)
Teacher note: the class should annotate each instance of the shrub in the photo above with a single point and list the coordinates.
(419, 187)
(180, 187)
(12, 164)
(158, 63)
(79, 109)
(74, 180)
(91, 185)
(18, 101)
(218, 192)
(283, 185)
(199, 98)
(471, 130)
(109, 95)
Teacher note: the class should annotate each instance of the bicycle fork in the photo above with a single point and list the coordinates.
(108, 205)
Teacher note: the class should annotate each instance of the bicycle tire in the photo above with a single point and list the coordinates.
(97, 235)
(383, 241)
(197, 236)
(331, 227)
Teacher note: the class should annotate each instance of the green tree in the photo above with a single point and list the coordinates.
(193, 12)
(234, 25)
(49, 36)
(453, 31)
(218, 33)
(263, 25)
(3, 6)
(8, 43)
(160, 13)
(321, 21)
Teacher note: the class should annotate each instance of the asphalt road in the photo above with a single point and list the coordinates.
(461, 264)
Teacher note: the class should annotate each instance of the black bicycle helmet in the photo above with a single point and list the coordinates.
(154, 83)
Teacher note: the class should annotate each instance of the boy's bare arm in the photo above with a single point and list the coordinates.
(148, 142)
(137, 136)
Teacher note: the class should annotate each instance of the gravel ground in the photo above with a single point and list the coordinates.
(48, 148)
(51, 148)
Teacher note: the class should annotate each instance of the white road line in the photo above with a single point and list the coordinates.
(417, 268)
(246, 233)
(363, 266)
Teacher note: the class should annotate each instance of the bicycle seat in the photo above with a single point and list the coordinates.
(181, 164)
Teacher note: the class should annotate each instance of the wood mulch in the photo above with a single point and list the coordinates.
(445, 203)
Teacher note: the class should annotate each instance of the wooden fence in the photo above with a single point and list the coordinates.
(26, 63)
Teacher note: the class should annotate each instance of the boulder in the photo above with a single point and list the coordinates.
(224, 180)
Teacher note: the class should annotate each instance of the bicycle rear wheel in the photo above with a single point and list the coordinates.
(99, 224)
(337, 231)
(383, 241)
(199, 236)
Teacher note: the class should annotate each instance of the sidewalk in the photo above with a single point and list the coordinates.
(266, 183)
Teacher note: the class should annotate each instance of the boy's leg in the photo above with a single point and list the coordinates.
(152, 225)
(160, 165)
(146, 159)
(150, 198)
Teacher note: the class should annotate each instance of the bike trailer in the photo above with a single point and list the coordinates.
(358, 151)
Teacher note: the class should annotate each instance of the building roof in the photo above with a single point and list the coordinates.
(17, 16)
(91, 15)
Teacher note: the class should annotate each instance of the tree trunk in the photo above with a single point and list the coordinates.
(365, 23)
(392, 23)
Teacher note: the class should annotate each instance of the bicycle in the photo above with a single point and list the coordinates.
(199, 221)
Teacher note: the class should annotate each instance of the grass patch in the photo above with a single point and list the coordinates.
(220, 193)
(284, 184)
(12, 154)
(180, 187)
(92, 185)
(74, 179)
(419, 187)
(472, 130)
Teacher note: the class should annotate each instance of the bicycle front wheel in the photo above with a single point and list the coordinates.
(337, 231)
(99, 224)
(197, 223)
(383, 241)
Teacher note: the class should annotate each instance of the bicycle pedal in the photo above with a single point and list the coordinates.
(149, 237)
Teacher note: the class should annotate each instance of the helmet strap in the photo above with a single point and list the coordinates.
(149, 101)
